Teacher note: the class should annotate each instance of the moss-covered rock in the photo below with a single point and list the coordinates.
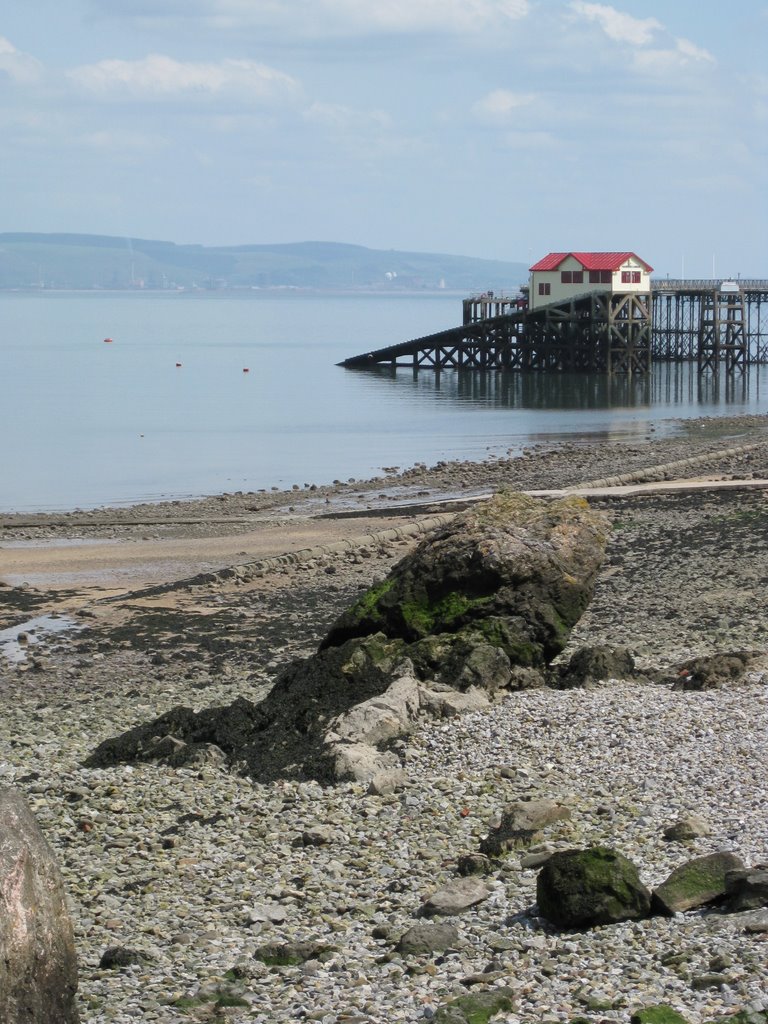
(696, 883)
(584, 888)
(659, 1014)
(516, 571)
(476, 1008)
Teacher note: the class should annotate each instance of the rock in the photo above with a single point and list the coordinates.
(514, 572)
(317, 835)
(476, 1008)
(428, 938)
(713, 671)
(583, 888)
(290, 954)
(386, 781)
(755, 921)
(120, 956)
(381, 718)
(746, 889)
(266, 913)
(592, 665)
(660, 1014)
(446, 702)
(687, 827)
(521, 824)
(361, 762)
(456, 896)
(695, 883)
(496, 590)
(474, 864)
(38, 966)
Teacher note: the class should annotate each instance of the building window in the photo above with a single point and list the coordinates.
(635, 277)
(566, 277)
(626, 277)
(578, 277)
(606, 277)
(544, 288)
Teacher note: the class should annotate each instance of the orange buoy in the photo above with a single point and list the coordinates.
(107, 341)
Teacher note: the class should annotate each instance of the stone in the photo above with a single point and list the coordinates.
(584, 888)
(659, 1014)
(446, 703)
(695, 883)
(589, 665)
(521, 824)
(428, 937)
(687, 827)
(747, 889)
(290, 954)
(456, 896)
(713, 671)
(476, 1008)
(115, 957)
(38, 965)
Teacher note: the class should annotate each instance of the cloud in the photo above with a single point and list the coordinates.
(501, 105)
(620, 27)
(21, 67)
(684, 54)
(160, 77)
(326, 18)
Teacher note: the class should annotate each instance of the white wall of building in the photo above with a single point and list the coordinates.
(560, 291)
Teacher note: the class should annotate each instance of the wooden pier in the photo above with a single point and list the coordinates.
(712, 323)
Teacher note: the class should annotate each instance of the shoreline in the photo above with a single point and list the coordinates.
(195, 869)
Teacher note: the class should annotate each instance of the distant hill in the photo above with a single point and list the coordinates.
(101, 262)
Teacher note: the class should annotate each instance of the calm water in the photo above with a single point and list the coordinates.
(84, 423)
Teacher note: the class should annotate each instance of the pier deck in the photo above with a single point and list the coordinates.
(709, 322)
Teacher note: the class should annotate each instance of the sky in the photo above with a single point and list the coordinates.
(501, 129)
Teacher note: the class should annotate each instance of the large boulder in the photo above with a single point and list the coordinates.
(490, 596)
(515, 571)
(38, 966)
(584, 888)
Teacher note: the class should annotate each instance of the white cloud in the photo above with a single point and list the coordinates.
(159, 76)
(303, 18)
(501, 105)
(21, 67)
(683, 54)
(620, 27)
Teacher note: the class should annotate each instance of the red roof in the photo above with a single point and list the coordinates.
(589, 260)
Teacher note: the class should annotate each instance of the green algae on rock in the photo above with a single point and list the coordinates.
(584, 888)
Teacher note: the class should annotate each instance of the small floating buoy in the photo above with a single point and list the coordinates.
(246, 369)
(107, 341)
(178, 364)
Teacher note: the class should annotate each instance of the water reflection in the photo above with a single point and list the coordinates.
(670, 384)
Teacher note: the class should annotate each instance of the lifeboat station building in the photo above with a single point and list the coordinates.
(563, 275)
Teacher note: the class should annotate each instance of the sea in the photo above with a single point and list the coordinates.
(201, 393)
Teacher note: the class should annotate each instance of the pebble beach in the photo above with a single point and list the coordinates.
(194, 871)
